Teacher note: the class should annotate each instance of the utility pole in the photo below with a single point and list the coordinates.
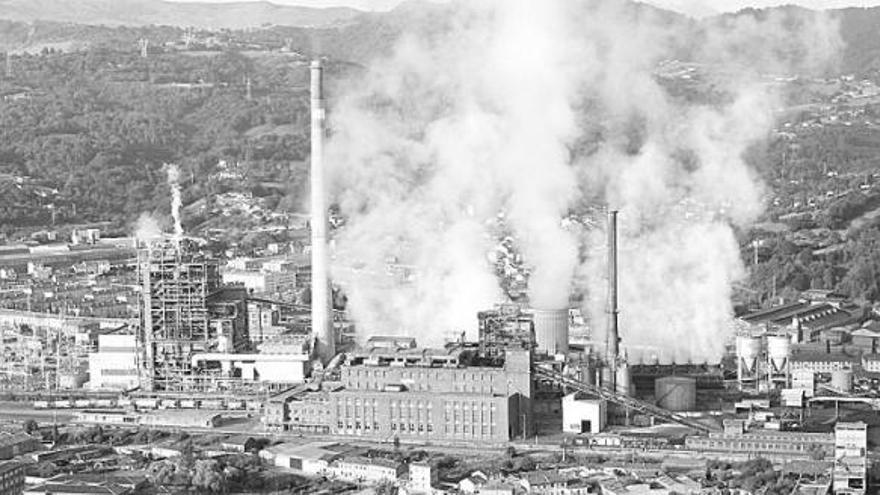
(8, 65)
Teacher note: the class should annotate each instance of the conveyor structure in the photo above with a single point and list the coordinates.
(543, 372)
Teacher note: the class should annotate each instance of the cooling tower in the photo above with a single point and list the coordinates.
(322, 320)
(551, 330)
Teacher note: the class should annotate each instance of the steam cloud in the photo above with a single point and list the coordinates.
(173, 173)
(535, 109)
(147, 229)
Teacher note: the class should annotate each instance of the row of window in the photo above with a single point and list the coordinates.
(413, 427)
(421, 375)
(754, 446)
(357, 425)
(119, 372)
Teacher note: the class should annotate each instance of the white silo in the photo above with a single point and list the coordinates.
(842, 380)
(748, 351)
(778, 355)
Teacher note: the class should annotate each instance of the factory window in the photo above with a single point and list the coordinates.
(393, 426)
(430, 427)
(376, 425)
(412, 427)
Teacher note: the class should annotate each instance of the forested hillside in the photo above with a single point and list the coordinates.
(86, 124)
(90, 131)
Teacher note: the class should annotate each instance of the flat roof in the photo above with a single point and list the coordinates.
(372, 461)
(312, 450)
(255, 357)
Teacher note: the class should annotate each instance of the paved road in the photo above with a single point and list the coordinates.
(19, 411)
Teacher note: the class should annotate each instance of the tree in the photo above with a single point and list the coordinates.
(31, 426)
(208, 477)
(163, 472)
(187, 454)
(46, 469)
(816, 451)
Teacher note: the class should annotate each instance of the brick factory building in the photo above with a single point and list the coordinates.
(417, 395)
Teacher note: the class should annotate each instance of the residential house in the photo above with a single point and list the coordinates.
(555, 483)
(239, 443)
(16, 444)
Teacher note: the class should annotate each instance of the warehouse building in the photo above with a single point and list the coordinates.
(367, 470)
(311, 459)
(822, 362)
(767, 443)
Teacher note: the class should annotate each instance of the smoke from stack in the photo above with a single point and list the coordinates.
(173, 173)
(533, 109)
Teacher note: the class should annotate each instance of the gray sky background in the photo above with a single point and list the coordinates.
(693, 7)
(358, 4)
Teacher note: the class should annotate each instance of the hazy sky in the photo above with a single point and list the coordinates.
(704, 7)
(358, 4)
(696, 7)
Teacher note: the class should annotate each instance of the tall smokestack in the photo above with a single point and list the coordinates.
(322, 322)
(613, 335)
(612, 342)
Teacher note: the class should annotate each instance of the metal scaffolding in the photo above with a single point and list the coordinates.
(175, 314)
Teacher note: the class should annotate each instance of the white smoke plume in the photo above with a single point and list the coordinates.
(682, 187)
(173, 173)
(534, 108)
(147, 229)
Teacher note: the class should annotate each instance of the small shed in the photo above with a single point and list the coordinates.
(239, 443)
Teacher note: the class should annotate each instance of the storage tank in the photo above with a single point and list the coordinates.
(623, 380)
(778, 352)
(842, 380)
(551, 330)
(676, 393)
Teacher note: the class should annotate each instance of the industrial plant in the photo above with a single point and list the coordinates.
(213, 341)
